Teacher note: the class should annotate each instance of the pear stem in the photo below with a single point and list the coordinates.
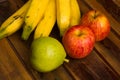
(66, 60)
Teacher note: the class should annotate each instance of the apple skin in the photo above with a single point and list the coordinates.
(78, 41)
(98, 22)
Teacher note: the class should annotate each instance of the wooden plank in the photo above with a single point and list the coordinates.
(58, 74)
(91, 68)
(113, 7)
(4, 10)
(23, 51)
(112, 48)
(114, 39)
(10, 65)
(15, 5)
(108, 56)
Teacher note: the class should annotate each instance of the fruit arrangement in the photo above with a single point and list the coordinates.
(78, 34)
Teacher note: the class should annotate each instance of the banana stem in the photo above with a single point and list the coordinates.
(3, 35)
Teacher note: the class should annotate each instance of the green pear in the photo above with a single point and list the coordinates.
(47, 54)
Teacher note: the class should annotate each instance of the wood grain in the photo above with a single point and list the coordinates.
(102, 64)
(10, 65)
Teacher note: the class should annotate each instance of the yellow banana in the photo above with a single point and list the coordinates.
(75, 13)
(45, 26)
(33, 16)
(14, 22)
(63, 15)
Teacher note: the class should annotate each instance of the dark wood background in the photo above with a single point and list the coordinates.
(102, 64)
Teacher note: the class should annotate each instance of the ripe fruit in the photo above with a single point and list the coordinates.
(47, 54)
(98, 22)
(78, 41)
(33, 16)
(63, 15)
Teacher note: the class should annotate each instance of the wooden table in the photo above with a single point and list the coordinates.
(102, 64)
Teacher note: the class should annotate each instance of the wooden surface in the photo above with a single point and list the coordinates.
(102, 64)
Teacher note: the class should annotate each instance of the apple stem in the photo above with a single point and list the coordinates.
(66, 60)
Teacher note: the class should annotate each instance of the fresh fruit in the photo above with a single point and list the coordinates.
(78, 41)
(45, 25)
(63, 15)
(14, 22)
(98, 22)
(33, 16)
(47, 54)
(40, 17)
(75, 13)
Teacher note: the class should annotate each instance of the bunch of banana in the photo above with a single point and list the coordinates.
(14, 22)
(46, 24)
(33, 16)
(68, 14)
(75, 13)
(40, 16)
(63, 15)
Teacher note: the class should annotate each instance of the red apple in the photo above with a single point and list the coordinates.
(78, 41)
(98, 22)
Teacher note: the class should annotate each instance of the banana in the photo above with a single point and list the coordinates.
(33, 16)
(45, 25)
(14, 22)
(63, 15)
(75, 13)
